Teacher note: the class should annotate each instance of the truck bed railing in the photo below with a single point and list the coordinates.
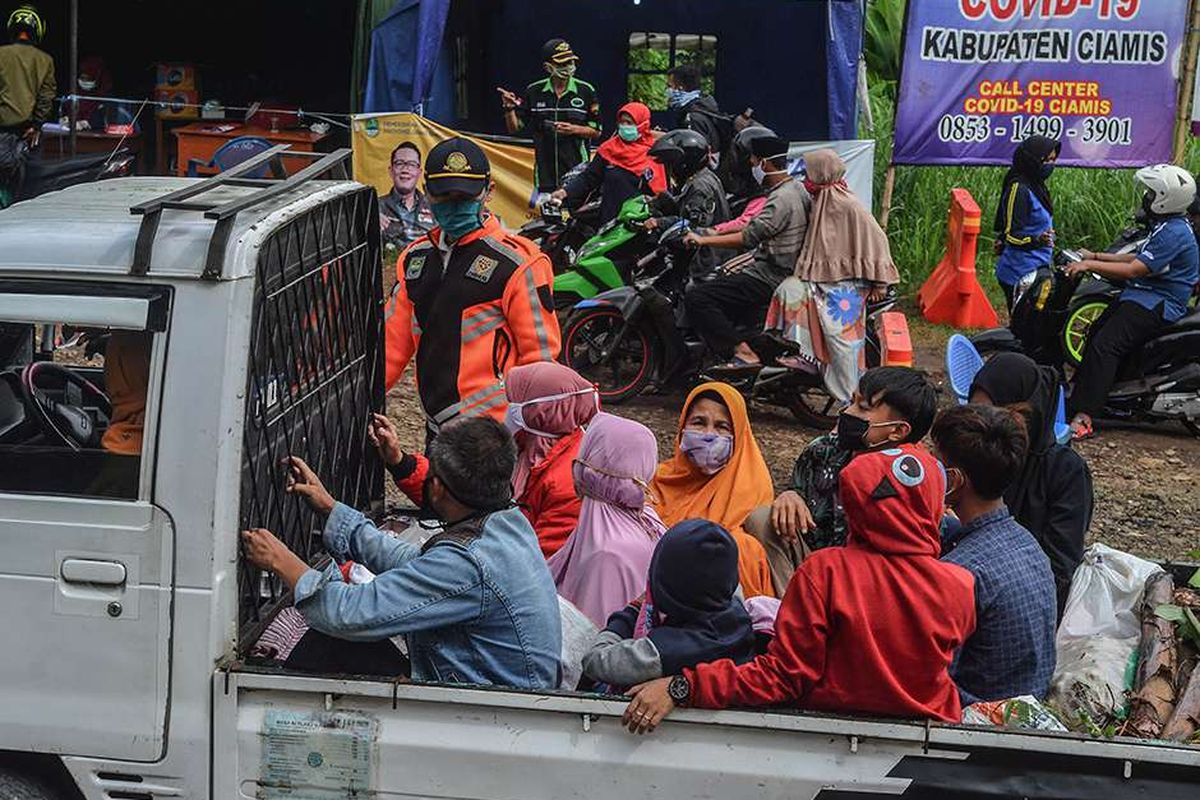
(225, 214)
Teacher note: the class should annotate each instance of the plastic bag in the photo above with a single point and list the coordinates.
(1098, 637)
(1105, 592)
(1019, 713)
(578, 633)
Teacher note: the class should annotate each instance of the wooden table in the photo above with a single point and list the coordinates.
(200, 140)
(56, 144)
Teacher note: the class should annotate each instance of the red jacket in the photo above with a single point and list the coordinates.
(870, 627)
(549, 501)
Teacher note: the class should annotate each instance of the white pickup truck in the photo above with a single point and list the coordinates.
(128, 613)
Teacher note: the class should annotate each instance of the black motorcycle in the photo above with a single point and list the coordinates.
(1159, 382)
(560, 233)
(42, 176)
(636, 338)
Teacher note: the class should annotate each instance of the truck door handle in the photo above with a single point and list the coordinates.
(85, 570)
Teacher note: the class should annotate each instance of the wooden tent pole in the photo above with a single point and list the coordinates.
(1187, 83)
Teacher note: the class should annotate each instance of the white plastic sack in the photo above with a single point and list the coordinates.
(1105, 593)
(578, 633)
(1099, 635)
(1091, 682)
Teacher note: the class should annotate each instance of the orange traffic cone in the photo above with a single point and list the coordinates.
(952, 294)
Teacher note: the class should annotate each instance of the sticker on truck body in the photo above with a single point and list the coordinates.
(317, 755)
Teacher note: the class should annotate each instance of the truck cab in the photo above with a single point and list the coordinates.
(225, 324)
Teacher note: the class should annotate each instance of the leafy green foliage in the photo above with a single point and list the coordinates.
(881, 45)
(1194, 581)
(649, 62)
(1188, 626)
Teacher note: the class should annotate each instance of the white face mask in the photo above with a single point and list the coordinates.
(759, 174)
(87, 86)
(514, 416)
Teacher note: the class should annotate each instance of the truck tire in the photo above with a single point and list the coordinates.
(15, 786)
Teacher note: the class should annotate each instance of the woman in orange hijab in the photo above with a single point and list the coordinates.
(718, 473)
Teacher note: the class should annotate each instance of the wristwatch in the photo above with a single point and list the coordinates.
(679, 690)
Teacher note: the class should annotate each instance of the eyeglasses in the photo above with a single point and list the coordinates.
(406, 165)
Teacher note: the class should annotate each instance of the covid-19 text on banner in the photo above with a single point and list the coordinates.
(979, 76)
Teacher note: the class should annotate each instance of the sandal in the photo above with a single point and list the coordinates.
(1081, 428)
(736, 364)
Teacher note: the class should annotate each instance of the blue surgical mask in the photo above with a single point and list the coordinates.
(457, 218)
(710, 452)
(628, 133)
(678, 98)
(1047, 171)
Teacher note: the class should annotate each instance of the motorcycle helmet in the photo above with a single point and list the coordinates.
(26, 18)
(1169, 189)
(742, 142)
(683, 152)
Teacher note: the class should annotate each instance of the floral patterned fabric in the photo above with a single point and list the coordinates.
(828, 322)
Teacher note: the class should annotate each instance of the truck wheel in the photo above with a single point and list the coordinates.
(619, 370)
(1079, 322)
(15, 786)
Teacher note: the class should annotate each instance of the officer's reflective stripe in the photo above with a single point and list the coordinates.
(483, 329)
(389, 310)
(487, 405)
(539, 324)
(452, 411)
(481, 317)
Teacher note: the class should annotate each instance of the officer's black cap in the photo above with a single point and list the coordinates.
(456, 165)
(558, 51)
(769, 146)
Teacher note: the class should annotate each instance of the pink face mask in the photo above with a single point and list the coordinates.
(514, 417)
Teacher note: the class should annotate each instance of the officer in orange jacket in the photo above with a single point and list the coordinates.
(471, 300)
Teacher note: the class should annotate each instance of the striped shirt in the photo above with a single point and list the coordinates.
(778, 232)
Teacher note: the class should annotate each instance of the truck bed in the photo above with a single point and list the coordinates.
(285, 735)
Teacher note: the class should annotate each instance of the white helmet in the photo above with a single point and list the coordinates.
(1173, 188)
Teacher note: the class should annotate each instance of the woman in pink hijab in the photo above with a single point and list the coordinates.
(604, 564)
(548, 405)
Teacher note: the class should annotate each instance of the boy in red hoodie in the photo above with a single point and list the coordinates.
(869, 628)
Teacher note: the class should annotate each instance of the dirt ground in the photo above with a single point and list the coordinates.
(1147, 479)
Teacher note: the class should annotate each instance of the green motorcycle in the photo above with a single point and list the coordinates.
(607, 260)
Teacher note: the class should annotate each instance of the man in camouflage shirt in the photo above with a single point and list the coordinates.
(893, 405)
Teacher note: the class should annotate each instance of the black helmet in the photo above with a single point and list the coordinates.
(26, 18)
(742, 142)
(683, 152)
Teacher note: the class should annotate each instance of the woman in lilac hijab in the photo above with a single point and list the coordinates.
(603, 564)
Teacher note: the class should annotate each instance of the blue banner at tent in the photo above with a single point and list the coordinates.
(404, 52)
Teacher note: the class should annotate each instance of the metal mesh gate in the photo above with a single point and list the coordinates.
(316, 372)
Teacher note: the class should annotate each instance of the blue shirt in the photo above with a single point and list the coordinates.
(1173, 258)
(481, 610)
(1025, 219)
(1011, 652)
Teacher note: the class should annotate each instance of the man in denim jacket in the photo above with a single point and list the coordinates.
(476, 603)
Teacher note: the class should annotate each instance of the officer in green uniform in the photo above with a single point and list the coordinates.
(561, 113)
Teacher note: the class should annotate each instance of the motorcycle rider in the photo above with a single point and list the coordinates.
(1159, 280)
(775, 237)
(699, 196)
(27, 90)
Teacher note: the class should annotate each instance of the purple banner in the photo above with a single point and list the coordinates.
(979, 76)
